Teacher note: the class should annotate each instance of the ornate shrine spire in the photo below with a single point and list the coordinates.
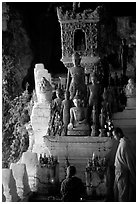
(80, 32)
(74, 14)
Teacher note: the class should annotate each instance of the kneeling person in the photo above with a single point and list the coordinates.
(72, 188)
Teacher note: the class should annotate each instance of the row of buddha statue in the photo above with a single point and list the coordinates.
(79, 112)
(84, 109)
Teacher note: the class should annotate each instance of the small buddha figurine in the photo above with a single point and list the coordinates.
(56, 114)
(95, 93)
(30, 130)
(78, 119)
(57, 102)
(66, 105)
(130, 88)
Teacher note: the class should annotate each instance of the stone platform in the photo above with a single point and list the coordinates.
(78, 150)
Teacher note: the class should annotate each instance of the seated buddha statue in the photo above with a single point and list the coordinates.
(78, 119)
(130, 88)
(130, 91)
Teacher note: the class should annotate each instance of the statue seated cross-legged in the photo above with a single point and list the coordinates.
(130, 88)
(78, 119)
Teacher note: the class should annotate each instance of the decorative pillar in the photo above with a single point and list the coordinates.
(41, 110)
(9, 186)
(30, 159)
(21, 179)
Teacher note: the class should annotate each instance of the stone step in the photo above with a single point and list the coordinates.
(125, 122)
(46, 198)
(126, 114)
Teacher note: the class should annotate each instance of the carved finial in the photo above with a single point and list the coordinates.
(76, 5)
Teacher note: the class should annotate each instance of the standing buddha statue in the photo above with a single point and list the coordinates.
(76, 78)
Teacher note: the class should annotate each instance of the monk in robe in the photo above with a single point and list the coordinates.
(125, 169)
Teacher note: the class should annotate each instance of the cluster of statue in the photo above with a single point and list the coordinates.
(84, 109)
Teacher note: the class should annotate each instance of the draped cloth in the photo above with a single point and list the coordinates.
(125, 172)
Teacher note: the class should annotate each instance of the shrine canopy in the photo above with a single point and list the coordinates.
(80, 32)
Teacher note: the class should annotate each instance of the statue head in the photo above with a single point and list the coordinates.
(93, 78)
(124, 41)
(77, 100)
(44, 85)
(59, 93)
(76, 58)
(71, 171)
(131, 81)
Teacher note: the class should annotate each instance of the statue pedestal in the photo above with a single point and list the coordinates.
(78, 132)
(131, 102)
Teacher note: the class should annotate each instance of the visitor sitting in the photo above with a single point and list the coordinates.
(72, 188)
(78, 119)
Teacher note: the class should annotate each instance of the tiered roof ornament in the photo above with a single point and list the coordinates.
(80, 32)
(87, 15)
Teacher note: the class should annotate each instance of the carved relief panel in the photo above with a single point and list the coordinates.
(80, 37)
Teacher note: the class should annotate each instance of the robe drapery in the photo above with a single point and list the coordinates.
(125, 171)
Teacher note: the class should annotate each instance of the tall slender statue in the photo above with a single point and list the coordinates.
(95, 92)
(124, 56)
(76, 78)
(66, 104)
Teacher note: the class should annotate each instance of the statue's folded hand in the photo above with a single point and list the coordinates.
(82, 121)
(70, 126)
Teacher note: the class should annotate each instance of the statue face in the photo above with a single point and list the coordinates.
(93, 80)
(76, 59)
(130, 81)
(77, 102)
